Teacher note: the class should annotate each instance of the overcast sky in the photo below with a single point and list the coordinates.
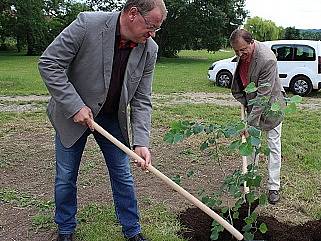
(301, 14)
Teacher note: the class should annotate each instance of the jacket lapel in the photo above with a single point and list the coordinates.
(253, 64)
(108, 43)
(133, 59)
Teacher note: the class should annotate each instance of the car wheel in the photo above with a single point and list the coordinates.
(301, 85)
(224, 78)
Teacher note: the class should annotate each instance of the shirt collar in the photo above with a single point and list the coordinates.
(123, 43)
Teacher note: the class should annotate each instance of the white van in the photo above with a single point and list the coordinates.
(299, 66)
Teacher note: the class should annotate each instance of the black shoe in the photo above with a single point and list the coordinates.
(65, 237)
(274, 196)
(137, 237)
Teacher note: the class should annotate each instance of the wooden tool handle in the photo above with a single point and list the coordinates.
(172, 184)
(244, 158)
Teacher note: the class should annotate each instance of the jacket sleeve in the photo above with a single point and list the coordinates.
(141, 105)
(54, 62)
(266, 82)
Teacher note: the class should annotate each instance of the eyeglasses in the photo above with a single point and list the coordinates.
(149, 26)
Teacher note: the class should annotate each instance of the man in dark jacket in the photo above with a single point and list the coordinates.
(97, 67)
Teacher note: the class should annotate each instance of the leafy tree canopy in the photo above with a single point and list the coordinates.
(190, 24)
(263, 30)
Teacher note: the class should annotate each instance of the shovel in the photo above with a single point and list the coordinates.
(172, 184)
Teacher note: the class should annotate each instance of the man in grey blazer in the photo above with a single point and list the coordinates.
(101, 68)
(257, 63)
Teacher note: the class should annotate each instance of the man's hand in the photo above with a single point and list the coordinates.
(84, 117)
(244, 133)
(144, 153)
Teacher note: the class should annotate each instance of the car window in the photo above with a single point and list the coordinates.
(304, 53)
(294, 52)
(283, 52)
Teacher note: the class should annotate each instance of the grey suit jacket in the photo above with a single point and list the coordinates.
(76, 68)
(262, 70)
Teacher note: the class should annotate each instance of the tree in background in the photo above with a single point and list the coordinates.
(30, 26)
(7, 22)
(291, 33)
(191, 24)
(311, 34)
(105, 5)
(263, 30)
(198, 24)
(59, 14)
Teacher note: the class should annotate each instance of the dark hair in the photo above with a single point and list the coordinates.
(145, 6)
(241, 33)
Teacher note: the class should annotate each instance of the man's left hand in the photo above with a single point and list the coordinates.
(144, 153)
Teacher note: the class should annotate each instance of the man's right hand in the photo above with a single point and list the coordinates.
(84, 117)
(244, 134)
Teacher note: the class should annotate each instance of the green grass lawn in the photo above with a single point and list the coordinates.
(19, 73)
(188, 73)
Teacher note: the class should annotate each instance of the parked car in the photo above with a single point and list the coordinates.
(299, 66)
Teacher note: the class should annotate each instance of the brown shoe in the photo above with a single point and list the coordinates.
(274, 196)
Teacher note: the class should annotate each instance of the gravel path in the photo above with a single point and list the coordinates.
(35, 102)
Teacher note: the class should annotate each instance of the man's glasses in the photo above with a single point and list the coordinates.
(149, 26)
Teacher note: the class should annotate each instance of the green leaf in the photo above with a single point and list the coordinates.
(250, 197)
(263, 228)
(248, 236)
(263, 199)
(275, 107)
(296, 99)
(190, 173)
(253, 216)
(198, 128)
(250, 88)
(253, 131)
(247, 228)
(235, 145)
(224, 210)
(214, 235)
(236, 215)
(176, 179)
(246, 149)
(238, 204)
(204, 146)
(177, 138)
(248, 220)
(240, 126)
(257, 181)
(253, 101)
(230, 131)
(169, 137)
(254, 181)
(255, 141)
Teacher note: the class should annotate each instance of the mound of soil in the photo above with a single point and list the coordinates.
(198, 228)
